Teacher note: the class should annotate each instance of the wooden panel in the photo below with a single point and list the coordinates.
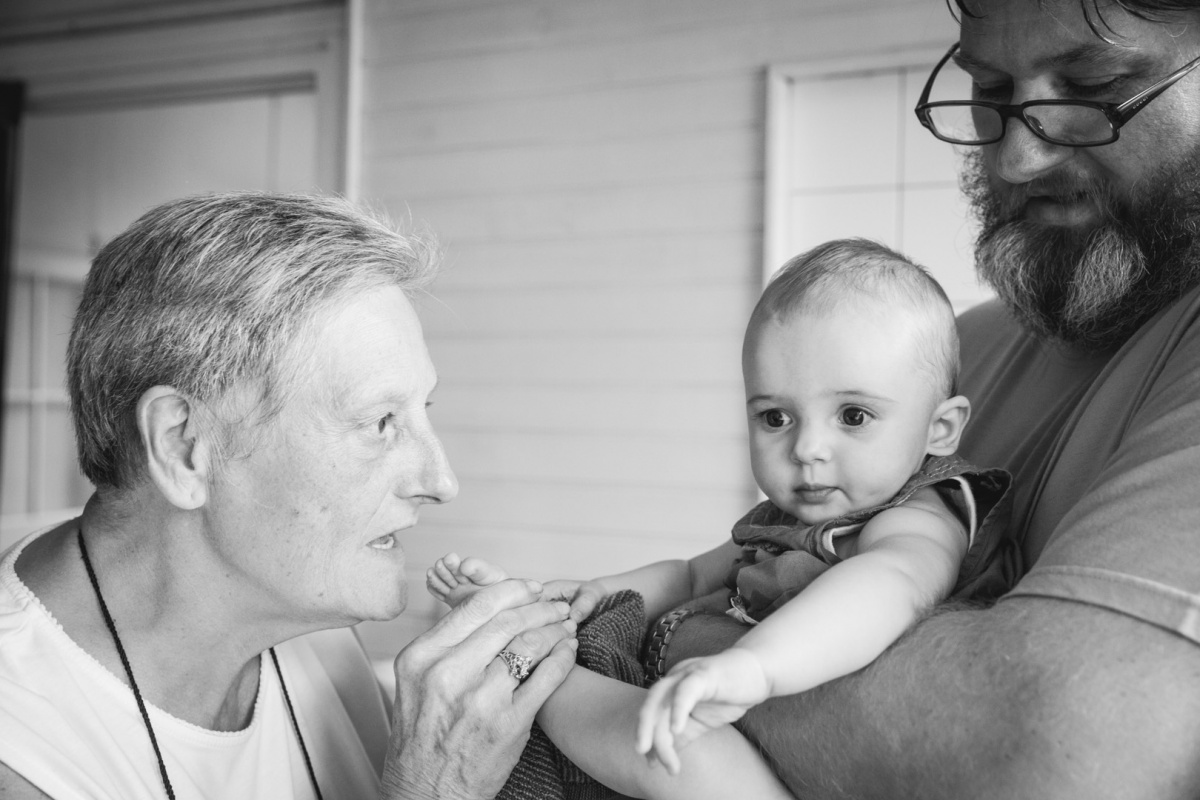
(593, 114)
(697, 205)
(583, 512)
(635, 58)
(589, 458)
(533, 166)
(636, 364)
(601, 312)
(585, 262)
(465, 408)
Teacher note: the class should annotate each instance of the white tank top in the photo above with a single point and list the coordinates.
(73, 729)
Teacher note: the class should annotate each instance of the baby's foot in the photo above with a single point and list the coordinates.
(452, 580)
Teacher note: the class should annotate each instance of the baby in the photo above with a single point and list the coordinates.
(849, 361)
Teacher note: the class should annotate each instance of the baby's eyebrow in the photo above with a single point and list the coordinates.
(861, 394)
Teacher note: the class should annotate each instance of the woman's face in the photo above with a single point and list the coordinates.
(311, 519)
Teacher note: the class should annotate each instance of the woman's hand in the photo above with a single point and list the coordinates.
(461, 720)
(583, 596)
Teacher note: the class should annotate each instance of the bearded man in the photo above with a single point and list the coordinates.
(1084, 681)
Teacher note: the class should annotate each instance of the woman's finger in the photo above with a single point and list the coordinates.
(481, 608)
(585, 602)
(526, 651)
(551, 671)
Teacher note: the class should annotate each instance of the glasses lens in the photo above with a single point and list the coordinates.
(1061, 124)
(966, 123)
(1068, 124)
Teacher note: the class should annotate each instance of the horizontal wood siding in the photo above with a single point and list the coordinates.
(594, 173)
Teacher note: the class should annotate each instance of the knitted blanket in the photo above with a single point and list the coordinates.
(609, 643)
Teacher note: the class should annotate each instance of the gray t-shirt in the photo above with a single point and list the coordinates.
(1105, 457)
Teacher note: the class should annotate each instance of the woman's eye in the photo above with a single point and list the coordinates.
(775, 418)
(384, 421)
(853, 417)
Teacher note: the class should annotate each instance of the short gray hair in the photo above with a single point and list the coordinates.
(819, 279)
(211, 293)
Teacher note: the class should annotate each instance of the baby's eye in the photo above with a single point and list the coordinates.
(853, 417)
(774, 418)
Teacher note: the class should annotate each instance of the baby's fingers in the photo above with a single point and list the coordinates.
(655, 708)
(664, 744)
(690, 691)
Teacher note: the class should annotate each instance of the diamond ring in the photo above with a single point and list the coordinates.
(518, 666)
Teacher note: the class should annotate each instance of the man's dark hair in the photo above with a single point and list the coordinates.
(1152, 10)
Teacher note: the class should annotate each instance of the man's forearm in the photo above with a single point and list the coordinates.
(1030, 698)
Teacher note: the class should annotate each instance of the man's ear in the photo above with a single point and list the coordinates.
(947, 424)
(177, 456)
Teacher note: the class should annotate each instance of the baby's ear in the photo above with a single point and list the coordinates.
(947, 424)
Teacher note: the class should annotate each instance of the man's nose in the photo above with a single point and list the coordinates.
(1022, 156)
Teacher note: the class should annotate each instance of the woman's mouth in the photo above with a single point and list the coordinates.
(385, 542)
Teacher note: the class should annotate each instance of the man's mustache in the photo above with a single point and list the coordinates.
(1012, 198)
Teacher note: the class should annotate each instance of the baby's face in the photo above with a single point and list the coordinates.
(839, 409)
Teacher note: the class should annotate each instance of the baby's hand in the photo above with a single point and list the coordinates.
(699, 694)
(583, 596)
(452, 580)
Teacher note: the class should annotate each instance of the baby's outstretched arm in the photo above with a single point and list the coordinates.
(592, 719)
(452, 579)
(905, 560)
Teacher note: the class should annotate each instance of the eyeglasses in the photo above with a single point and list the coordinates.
(1074, 123)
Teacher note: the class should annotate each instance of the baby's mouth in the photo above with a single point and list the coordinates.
(814, 493)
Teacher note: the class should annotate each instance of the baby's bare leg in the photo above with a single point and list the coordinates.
(453, 580)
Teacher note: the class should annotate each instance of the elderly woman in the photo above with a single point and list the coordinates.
(249, 386)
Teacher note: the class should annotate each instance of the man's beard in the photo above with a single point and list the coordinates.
(1094, 286)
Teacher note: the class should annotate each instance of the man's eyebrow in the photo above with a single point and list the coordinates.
(1089, 54)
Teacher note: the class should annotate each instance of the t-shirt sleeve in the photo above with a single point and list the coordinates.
(1125, 485)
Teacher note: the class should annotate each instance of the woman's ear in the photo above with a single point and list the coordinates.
(947, 424)
(177, 456)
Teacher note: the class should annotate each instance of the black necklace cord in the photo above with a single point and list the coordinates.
(312, 775)
(141, 704)
(137, 693)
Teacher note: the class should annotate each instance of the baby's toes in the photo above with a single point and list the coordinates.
(480, 572)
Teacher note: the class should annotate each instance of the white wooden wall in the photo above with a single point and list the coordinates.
(595, 172)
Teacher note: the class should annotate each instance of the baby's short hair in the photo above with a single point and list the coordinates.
(820, 279)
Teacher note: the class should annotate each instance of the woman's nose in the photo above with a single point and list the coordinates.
(434, 479)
